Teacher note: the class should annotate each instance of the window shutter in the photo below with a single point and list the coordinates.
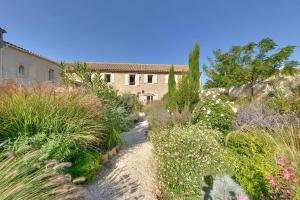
(155, 78)
(112, 77)
(126, 79)
(145, 78)
(167, 78)
(137, 79)
(101, 76)
(176, 78)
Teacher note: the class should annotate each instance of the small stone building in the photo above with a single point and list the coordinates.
(25, 67)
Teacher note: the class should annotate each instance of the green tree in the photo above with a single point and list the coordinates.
(182, 93)
(171, 90)
(194, 76)
(249, 64)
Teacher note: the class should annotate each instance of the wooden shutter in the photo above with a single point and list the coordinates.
(154, 78)
(126, 79)
(137, 79)
(145, 78)
(167, 78)
(112, 77)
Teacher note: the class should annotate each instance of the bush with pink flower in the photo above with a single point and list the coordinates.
(284, 183)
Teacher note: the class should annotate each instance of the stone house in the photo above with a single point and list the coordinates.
(148, 81)
(25, 67)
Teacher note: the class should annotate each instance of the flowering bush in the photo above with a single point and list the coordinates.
(185, 154)
(283, 183)
(215, 111)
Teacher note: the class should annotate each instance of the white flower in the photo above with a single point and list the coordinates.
(222, 115)
(234, 109)
(204, 109)
(214, 96)
(168, 110)
(208, 112)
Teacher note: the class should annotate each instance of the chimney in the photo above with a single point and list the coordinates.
(2, 31)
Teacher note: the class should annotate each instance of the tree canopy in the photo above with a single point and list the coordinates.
(249, 64)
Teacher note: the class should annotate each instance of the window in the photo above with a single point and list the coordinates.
(21, 70)
(107, 78)
(150, 79)
(51, 75)
(149, 99)
(131, 79)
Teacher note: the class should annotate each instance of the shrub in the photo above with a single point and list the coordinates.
(255, 116)
(185, 154)
(28, 178)
(59, 124)
(255, 160)
(85, 164)
(284, 183)
(159, 117)
(215, 111)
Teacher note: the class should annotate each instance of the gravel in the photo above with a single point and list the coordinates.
(129, 175)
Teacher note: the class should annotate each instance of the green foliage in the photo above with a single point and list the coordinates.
(187, 93)
(182, 93)
(59, 124)
(194, 76)
(185, 154)
(215, 112)
(160, 118)
(171, 104)
(85, 164)
(255, 160)
(278, 103)
(27, 177)
(249, 64)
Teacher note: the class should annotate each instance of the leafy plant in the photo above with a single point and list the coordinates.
(255, 160)
(185, 154)
(284, 183)
(85, 164)
(215, 112)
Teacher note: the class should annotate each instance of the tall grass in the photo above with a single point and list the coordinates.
(27, 178)
(57, 123)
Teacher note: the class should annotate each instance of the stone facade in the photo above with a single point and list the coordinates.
(148, 87)
(24, 67)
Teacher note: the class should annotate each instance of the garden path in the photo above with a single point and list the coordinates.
(130, 174)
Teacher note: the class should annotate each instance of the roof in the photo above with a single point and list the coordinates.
(135, 67)
(28, 52)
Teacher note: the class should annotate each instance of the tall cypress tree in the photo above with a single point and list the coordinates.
(194, 76)
(171, 90)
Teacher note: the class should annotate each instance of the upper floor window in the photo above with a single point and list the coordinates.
(51, 75)
(21, 70)
(132, 79)
(107, 78)
(150, 78)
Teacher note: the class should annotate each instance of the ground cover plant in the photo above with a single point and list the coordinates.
(185, 154)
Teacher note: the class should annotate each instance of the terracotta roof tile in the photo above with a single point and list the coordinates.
(135, 67)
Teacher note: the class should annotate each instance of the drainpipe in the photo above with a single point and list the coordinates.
(2, 46)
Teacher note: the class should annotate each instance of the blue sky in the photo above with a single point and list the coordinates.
(145, 31)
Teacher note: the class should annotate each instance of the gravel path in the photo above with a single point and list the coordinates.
(130, 174)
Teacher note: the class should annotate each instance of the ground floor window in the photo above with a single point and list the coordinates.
(149, 99)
